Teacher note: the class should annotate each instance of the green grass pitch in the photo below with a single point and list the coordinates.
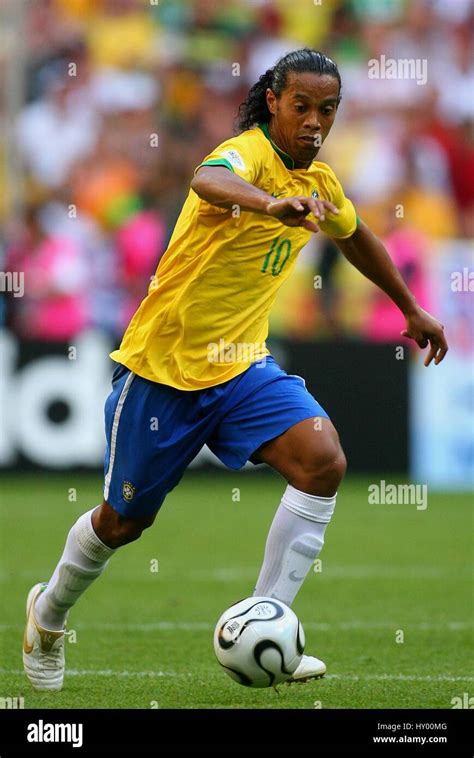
(143, 631)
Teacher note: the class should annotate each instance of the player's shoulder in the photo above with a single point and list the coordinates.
(248, 148)
(248, 139)
(324, 171)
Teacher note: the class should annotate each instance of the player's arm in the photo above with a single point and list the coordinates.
(221, 187)
(367, 253)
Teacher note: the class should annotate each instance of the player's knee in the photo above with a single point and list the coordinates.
(322, 470)
(115, 530)
(336, 468)
(127, 531)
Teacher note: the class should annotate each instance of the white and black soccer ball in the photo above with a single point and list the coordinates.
(259, 642)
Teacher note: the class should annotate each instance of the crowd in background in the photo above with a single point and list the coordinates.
(122, 99)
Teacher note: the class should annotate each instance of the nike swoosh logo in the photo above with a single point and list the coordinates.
(279, 194)
(295, 578)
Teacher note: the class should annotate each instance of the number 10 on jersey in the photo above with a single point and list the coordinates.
(277, 255)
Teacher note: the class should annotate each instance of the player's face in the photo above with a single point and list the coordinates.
(303, 114)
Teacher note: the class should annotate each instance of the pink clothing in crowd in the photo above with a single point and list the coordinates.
(140, 245)
(385, 321)
(54, 306)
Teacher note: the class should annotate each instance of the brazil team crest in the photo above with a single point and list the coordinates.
(128, 491)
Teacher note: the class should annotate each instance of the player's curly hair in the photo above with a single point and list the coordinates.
(255, 111)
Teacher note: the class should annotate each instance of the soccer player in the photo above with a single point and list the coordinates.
(193, 368)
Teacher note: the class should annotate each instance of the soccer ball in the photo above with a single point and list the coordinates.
(259, 642)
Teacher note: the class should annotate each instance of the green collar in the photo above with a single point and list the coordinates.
(287, 159)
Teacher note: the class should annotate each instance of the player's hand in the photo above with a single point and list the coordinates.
(292, 211)
(425, 329)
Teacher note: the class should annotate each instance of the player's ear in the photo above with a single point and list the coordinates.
(271, 100)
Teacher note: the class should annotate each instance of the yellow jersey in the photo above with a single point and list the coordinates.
(205, 317)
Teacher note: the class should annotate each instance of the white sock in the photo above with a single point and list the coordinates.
(295, 539)
(84, 558)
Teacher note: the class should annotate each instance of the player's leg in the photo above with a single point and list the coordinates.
(310, 457)
(144, 461)
(273, 419)
(91, 542)
(83, 560)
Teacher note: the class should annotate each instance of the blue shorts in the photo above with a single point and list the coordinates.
(154, 431)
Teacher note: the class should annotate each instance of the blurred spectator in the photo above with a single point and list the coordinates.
(140, 244)
(56, 130)
(121, 35)
(56, 278)
(270, 44)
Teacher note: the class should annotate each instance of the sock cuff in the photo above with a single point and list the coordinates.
(311, 507)
(88, 541)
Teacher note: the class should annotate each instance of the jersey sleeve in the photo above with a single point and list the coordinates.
(237, 156)
(345, 223)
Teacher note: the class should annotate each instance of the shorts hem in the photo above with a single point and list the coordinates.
(132, 510)
(280, 429)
